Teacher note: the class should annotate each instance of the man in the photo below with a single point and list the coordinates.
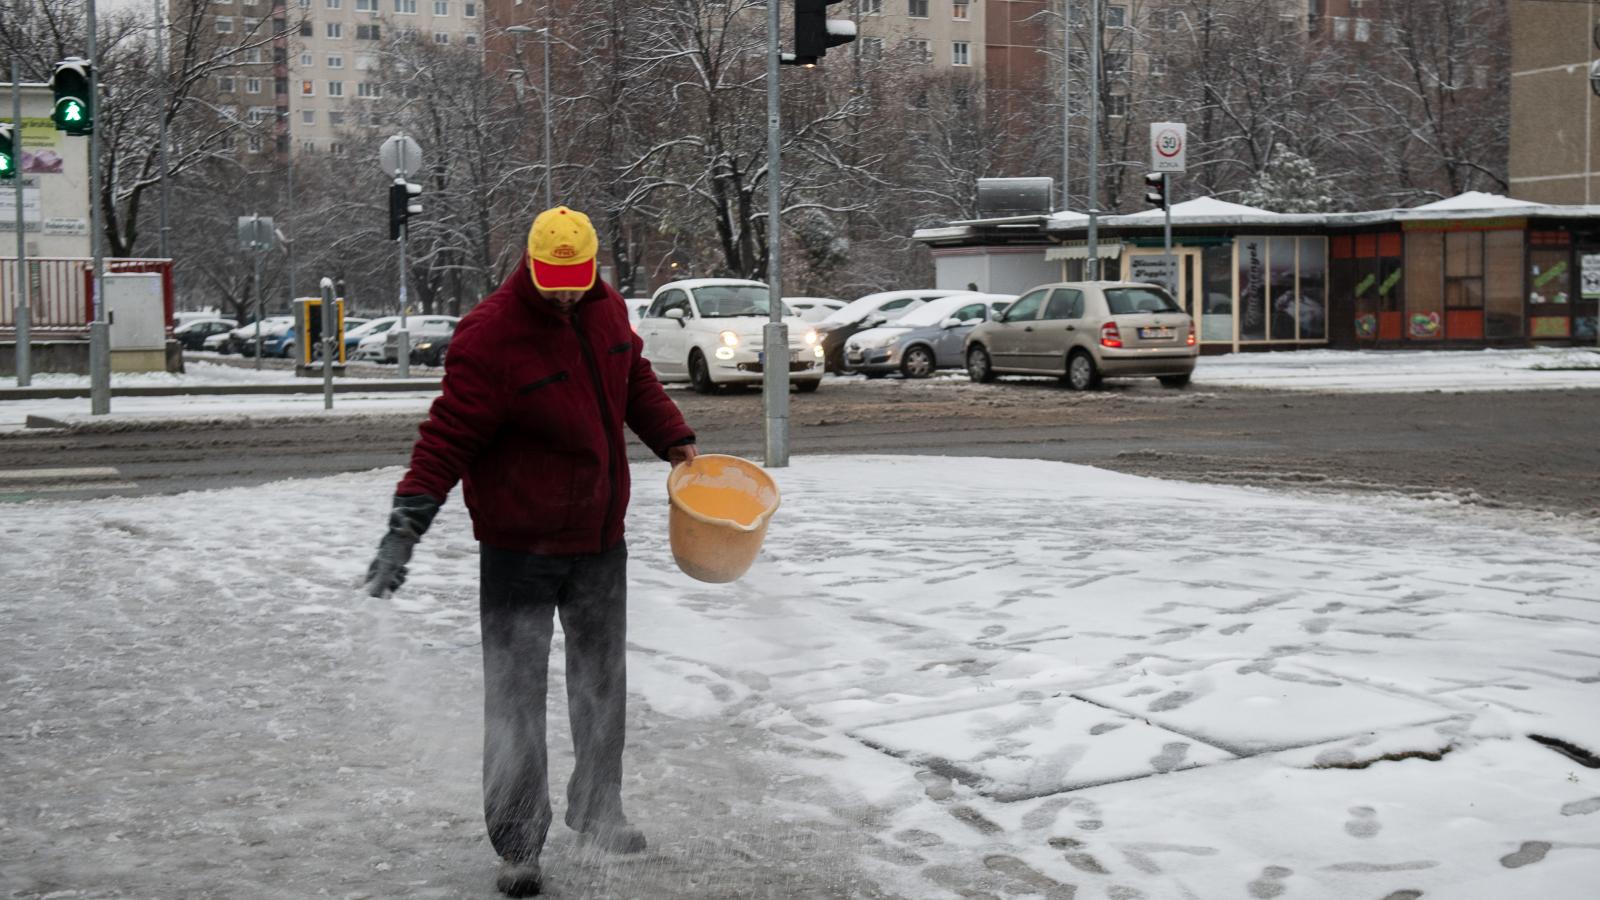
(540, 379)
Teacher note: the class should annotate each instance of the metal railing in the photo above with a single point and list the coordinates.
(61, 295)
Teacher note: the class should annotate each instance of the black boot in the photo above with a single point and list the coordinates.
(519, 879)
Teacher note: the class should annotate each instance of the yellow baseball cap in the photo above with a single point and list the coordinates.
(562, 246)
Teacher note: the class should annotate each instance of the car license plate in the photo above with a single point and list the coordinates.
(761, 357)
(1156, 333)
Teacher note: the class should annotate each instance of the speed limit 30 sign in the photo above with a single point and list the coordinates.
(1169, 147)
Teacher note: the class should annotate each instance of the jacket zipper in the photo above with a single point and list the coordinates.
(605, 415)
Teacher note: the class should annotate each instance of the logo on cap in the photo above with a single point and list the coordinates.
(565, 251)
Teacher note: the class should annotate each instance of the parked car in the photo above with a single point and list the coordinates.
(814, 309)
(354, 334)
(243, 338)
(422, 330)
(191, 335)
(430, 348)
(185, 316)
(931, 337)
(1087, 331)
(868, 312)
(636, 310)
(708, 332)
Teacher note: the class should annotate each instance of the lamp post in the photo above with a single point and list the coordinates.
(519, 31)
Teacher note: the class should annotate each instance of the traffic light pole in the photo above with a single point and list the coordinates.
(1166, 235)
(22, 316)
(1092, 264)
(775, 340)
(258, 306)
(99, 329)
(403, 336)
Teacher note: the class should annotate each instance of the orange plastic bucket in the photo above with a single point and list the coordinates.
(720, 509)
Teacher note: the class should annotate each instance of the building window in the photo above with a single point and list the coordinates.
(225, 84)
(959, 11)
(1117, 62)
(370, 6)
(308, 146)
(441, 37)
(306, 59)
(1341, 28)
(305, 4)
(252, 85)
(406, 7)
(335, 31)
(1116, 17)
(308, 89)
(365, 62)
(370, 89)
(252, 55)
(335, 89)
(251, 24)
(335, 61)
(336, 148)
(335, 4)
(917, 9)
(870, 48)
(257, 114)
(335, 117)
(919, 51)
(308, 117)
(1480, 77)
(960, 53)
(441, 7)
(254, 143)
(366, 32)
(280, 86)
(470, 39)
(869, 7)
(1116, 105)
(469, 10)
(224, 25)
(1363, 30)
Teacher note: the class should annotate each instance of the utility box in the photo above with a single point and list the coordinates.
(136, 311)
(308, 327)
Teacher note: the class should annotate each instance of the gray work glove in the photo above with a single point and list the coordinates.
(408, 521)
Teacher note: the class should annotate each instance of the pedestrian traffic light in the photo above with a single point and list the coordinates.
(814, 32)
(1156, 189)
(74, 109)
(402, 206)
(8, 151)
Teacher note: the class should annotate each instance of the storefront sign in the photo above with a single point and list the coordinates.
(1365, 285)
(41, 148)
(1467, 225)
(1152, 269)
(1551, 327)
(1591, 276)
(1426, 325)
(67, 226)
(1252, 289)
(1389, 283)
(32, 215)
(1367, 326)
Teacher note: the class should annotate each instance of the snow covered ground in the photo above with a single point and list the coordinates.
(1405, 370)
(944, 678)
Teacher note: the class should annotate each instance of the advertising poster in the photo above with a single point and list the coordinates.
(1590, 274)
(1252, 289)
(41, 148)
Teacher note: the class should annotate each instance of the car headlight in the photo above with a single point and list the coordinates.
(423, 346)
(811, 336)
(729, 339)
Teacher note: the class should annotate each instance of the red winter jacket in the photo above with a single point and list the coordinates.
(530, 420)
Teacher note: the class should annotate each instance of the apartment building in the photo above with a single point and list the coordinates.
(943, 34)
(313, 88)
(1555, 116)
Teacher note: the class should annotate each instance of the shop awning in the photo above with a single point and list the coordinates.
(1080, 250)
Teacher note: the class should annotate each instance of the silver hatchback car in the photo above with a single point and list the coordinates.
(1085, 332)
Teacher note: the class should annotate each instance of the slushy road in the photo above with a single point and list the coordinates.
(1536, 450)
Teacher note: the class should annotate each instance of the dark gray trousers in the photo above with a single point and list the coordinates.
(518, 594)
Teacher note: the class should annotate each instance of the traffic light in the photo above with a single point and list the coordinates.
(402, 206)
(814, 32)
(8, 151)
(1156, 189)
(74, 109)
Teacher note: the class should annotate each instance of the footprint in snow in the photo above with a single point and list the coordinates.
(1044, 815)
(1171, 757)
(936, 786)
(1171, 701)
(1581, 807)
(1363, 822)
(1270, 884)
(1317, 625)
(1529, 853)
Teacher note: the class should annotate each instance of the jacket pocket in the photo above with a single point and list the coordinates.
(622, 347)
(546, 381)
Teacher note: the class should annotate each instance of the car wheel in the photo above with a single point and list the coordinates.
(1082, 373)
(1175, 381)
(918, 363)
(700, 373)
(873, 375)
(288, 351)
(808, 387)
(979, 368)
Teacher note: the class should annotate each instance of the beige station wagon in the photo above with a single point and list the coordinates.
(1087, 331)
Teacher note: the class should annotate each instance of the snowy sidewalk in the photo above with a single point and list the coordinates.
(1390, 371)
(944, 678)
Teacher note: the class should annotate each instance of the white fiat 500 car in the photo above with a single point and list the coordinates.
(708, 332)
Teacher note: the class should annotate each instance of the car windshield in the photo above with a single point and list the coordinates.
(933, 312)
(1132, 301)
(722, 301)
(376, 326)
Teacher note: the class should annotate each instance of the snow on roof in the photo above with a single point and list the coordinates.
(1204, 207)
(1475, 200)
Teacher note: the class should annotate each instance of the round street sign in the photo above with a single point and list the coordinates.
(400, 155)
(1168, 142)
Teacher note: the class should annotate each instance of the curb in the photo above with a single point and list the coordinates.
(346, 387)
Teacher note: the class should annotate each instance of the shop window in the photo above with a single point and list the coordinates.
(1216, 317)
(1503, 285)
(1424, 315)
(1313, 289)
(1282, 288)
(1549, 292)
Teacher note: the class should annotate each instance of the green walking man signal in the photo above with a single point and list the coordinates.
(8, 151)
(74, 109)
